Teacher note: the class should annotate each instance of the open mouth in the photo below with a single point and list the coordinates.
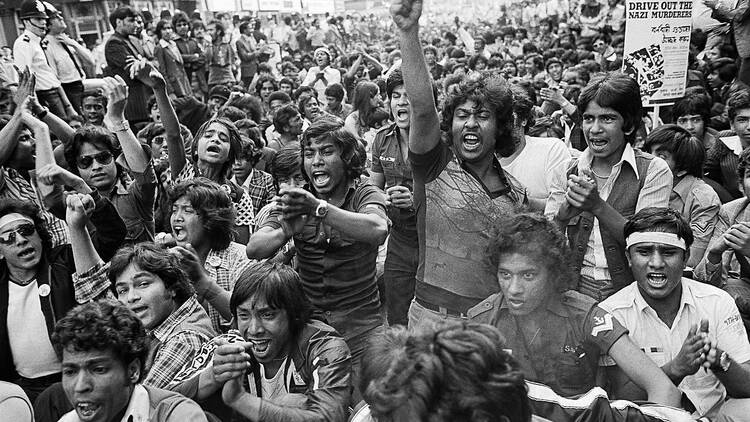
(260, 346)
(471, 142)
(138, 310)
(515, 302)
(213, 148)
(26, 253)
(656, 280)
(402, 114)
(86, 410)
(179, 233)
(320, 178)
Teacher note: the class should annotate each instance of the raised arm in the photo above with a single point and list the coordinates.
(425, 128)
(117, 98)
(175, 145)
(79, 208)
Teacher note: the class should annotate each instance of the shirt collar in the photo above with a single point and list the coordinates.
(138, 408)
(247, 182)
(164, 43)
(682, 188)
(174, 319)
(685, 300)
(628, 156)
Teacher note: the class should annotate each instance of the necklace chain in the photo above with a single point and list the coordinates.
(601, 177)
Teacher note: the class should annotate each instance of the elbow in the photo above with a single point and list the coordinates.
(380, 233)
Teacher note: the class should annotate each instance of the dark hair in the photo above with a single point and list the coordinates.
(231, 113)
(243, 27)
(363, 93)
(305, 98)
(160, 27)
(180, 17)
(473, 60)
(694, 102)
(653, 219)
(493, 91)
(726, 70)
(551, 61)
(352, 151)
(251, 148)
(457, 371)
(522, 105)
(251, 105)
(104, 325)
(263, 79)
(96, 94)
(533, 234)
(213, 206)
(304, 89)
(288, 81)
(158, 261)
(95, 135)
(336, 91)
(739, 100)
(221, 31)
(234, 141)
(620, 92)
(283, 115)
(281, 288)
(31, 210)
(286, 162)
(122, 12)
(687, 151)
(280, 95)
(431, 49)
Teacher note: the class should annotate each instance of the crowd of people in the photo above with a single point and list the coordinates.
(371, 219)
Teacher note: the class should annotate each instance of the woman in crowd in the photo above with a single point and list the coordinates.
(366, 100)
(170, 60)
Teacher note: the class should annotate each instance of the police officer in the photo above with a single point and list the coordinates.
(28, 51)
(66, 57)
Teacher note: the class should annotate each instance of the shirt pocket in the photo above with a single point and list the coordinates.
(574, 374)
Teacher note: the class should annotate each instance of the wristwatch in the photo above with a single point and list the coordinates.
(723, 364)
(121, 126)
(322, 209)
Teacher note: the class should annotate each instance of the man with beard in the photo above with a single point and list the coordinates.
(459, 187)
(126, 59)
(337, 224)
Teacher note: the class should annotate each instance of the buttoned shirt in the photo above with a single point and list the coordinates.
(224, 267)
(63, 61)
(28, 50)
(175, 342)
(729, 214)
(699, 204)
(564, 353)
(259, 188)
(388, 159)
(662, 343)
(655, 193)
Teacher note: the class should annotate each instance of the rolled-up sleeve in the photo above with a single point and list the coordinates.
(92, 284)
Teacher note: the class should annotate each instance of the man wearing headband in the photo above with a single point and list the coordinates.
(322, 75)
(557, 335)
(692, 330)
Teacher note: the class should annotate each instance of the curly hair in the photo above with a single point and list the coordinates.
(352, 151)
(102, 325)
(457, 372)
(491, 90)
(150, 257)
(263, 79)
(213, 205)
(31, 210)
(235, 143)
(532, 234)
(281, 288)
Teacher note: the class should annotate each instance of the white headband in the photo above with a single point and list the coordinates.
(655, 237)
(13, 217)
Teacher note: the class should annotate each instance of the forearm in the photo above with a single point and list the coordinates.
(44, 153)
(425, 131)
(84, 253)
(175, 146)
(83, 54)
(8, 139)
(59, 127)
(217, 297)
(265, 242)
(135, 156)
(207, 385)
(611, 220)
(673, 375)
(64, 97)
(369, 228)
(736, 380)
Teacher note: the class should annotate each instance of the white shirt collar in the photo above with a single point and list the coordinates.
(628, 156)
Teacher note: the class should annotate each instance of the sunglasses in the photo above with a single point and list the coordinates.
(24, 230)
(158, 140)
(104, 157)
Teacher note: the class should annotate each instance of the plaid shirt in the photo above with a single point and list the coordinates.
(225, 267)
(14, 186)
(243, 205)
(93, 284)
(175, 343)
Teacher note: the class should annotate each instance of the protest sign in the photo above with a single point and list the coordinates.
(657, 40)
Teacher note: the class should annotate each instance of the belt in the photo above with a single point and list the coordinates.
(46, 91)
(439, 309)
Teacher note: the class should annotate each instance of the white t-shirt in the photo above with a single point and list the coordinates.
(32, 349)
(537, 166)
(275, 387)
